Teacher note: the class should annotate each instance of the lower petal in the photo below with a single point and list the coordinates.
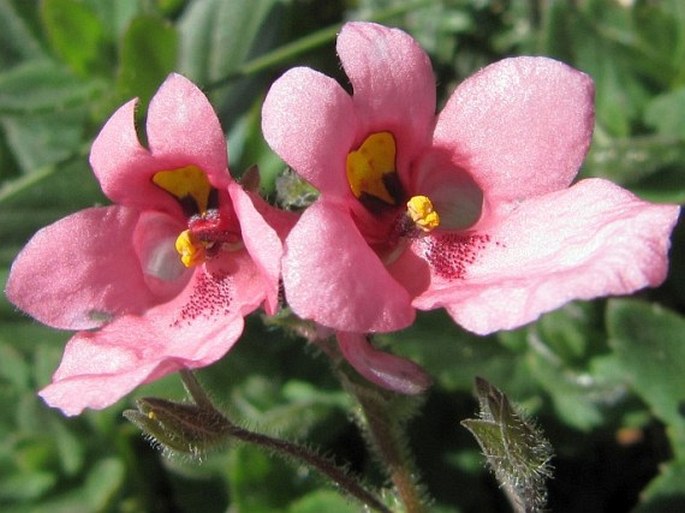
(384, 369)
(194, 330)
(593, 239)
(81, 271)
(333, 277)
(262, 242)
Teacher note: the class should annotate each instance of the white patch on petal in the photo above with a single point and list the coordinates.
(163, 261)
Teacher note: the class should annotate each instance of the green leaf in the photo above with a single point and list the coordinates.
(250, 468)
(323, 500)
(104, 480)
(515, 448)
(148, 54)
(115, 15)
(42, 139)
(650, 343)
(25, 486)
(42, 86)
(630, 160)
(666, 113)
(16, 40)
(13, 366)
(75, 34)
(665, 493)
(218, 36)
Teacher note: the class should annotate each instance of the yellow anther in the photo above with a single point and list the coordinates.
(192, 253)
(189, 181)
(421, 211)
(367, 166)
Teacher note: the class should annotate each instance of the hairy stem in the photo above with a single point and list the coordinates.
(387, 438)
(284, 448)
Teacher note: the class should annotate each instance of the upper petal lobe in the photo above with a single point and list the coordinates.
(82, 270)
(393, 84)
(521, 126)
(309, 121)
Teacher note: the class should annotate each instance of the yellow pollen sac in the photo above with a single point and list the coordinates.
(192, 253)
(367, 166)
(421, 211)
(189, 181)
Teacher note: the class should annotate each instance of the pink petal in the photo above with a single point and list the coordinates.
(384, 369)
(194, 330)
(333, 277)
(124, 168)
(393, 83)
(309, 121)
(262, 243)
(183, 129)
(82, 270)
(593, 239)
(521, 126)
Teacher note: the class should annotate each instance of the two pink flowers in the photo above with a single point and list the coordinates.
(472, 210)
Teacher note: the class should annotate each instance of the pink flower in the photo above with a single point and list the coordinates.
(162, 279)
(473, 210)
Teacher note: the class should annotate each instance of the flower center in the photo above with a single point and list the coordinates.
(208, 230)
(189, 185)
(372, 166)
(373, 179)
(420, 210)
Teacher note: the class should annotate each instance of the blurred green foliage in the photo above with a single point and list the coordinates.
(605, 379)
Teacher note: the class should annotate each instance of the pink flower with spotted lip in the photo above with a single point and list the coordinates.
(162, 279)
(472, 210)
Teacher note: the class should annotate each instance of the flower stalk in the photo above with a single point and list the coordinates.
(195, 428)
(383, 417)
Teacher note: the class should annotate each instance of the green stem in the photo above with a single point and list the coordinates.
(312, 459)
(307, 43)
(388, 439)
(284, 448)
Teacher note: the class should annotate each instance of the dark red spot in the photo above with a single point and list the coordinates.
(451, 254)
(211, 298)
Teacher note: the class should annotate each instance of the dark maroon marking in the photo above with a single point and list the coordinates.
(451, 254)
(211, 297)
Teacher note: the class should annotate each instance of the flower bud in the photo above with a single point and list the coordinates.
(178, 427)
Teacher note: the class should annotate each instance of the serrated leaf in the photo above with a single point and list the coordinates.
(75, 34)
(515, 448)
(147, 55)
(650, 344)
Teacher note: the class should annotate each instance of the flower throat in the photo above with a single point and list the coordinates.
(372, 175)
